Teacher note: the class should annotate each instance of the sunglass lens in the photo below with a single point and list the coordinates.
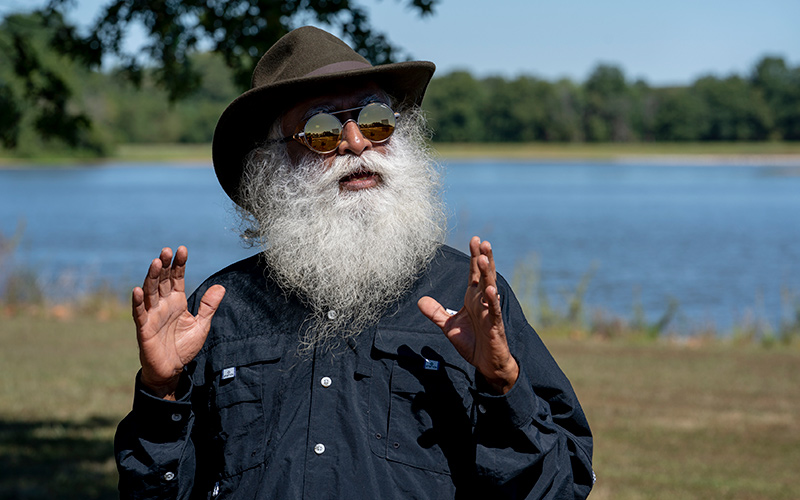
(322, 132)
(376, 122)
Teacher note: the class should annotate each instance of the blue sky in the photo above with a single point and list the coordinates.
(664, 43)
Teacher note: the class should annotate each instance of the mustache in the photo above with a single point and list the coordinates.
(345, 166)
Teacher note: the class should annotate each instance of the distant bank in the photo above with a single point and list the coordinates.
(696, 153)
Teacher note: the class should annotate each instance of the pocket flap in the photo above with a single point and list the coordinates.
(421, 351)
(390, 341)
(245, 352)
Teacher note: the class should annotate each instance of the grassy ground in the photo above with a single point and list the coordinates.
(701, 422)
(781, 151)
(670, 421)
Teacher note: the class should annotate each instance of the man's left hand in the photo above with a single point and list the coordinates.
(477, 331)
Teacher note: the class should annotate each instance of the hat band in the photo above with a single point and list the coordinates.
(338, 67)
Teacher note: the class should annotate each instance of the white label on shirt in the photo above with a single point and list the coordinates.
(431, 364)
(451, 312)
(228, 373)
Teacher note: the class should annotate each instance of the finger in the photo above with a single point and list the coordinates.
(492, 298)
(164, 284)
(487, 266)
(434, 311)
(209, 305)
(179, 269)
(488, 251)
(150, 285)
(138, 310)
(475, 252)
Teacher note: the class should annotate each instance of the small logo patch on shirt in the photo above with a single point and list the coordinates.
(431, 364)
(228, 373)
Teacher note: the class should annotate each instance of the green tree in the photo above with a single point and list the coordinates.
(145, 114)
(41, 106)
(608, 106)
(239, 30)
(525, 104)
(454, 104)
(779, 86)
(500, 121)
(681, 115)
(735, 111)
(564, 107)
(644, 107)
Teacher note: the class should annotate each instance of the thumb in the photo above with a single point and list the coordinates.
(209, 305)
(434, 311)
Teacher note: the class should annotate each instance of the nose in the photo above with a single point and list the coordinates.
(353, 141)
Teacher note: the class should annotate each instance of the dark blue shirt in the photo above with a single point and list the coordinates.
(395, 413)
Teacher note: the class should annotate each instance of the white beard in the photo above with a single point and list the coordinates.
(351, 252)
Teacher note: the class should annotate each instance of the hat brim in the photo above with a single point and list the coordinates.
(245, 123)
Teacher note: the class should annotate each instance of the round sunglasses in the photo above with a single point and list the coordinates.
(322, 133)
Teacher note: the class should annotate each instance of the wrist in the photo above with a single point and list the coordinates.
(503, 379)
(164, 389)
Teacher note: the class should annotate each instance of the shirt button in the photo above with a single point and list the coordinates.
(176, 417)
(332, 314)
(319, 449)
(481, 409)
(326, 381)
(169, 476)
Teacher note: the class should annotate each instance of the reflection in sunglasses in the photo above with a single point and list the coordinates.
(322, 133)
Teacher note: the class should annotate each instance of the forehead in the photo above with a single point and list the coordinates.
(338, 98)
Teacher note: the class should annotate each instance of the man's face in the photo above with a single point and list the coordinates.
(352, 142)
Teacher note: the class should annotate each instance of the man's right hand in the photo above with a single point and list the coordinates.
(169, 335)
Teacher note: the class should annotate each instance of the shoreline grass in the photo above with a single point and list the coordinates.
(781, 152)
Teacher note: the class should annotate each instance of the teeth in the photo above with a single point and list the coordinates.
(361, 174)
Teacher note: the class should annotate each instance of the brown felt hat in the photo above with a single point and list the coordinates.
(304, 63)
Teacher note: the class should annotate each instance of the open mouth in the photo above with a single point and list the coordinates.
(361, 179)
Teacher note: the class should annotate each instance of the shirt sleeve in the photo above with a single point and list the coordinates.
(153, 447)
(534, 441)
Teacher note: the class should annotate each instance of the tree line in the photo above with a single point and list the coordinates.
(607, 107)
(61, 104)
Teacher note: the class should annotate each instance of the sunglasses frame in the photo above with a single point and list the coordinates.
(300, 134)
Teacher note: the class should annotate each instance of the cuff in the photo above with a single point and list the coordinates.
(165, 419)
(516, 408)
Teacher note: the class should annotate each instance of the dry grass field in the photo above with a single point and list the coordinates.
(670, 421)
(677, 421)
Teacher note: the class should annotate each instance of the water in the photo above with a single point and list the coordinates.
(720, 240)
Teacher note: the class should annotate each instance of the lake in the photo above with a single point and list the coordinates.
(720, 240)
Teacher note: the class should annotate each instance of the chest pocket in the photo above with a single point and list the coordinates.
(420, 400)
(243, 409)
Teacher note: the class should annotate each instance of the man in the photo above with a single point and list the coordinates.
(356, 356)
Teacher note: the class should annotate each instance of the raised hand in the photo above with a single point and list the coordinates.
(477, 331)
(169, 335)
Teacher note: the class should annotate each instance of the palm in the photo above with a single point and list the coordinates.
(477, 331)
(169, 335)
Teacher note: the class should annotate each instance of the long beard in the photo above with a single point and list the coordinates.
(347, 254)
